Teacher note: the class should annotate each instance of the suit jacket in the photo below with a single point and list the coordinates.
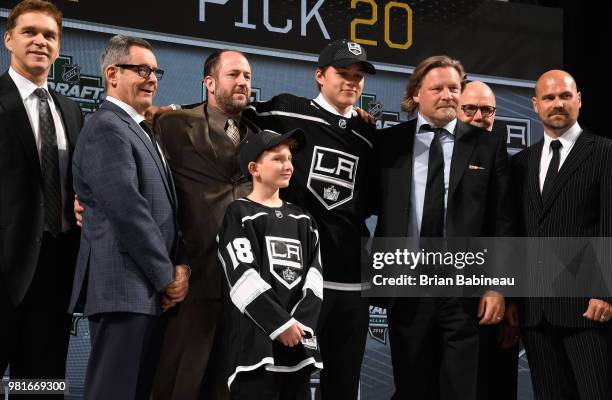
(579, 204)
(21, 195)
(478, 203)
(206, 170)
(130, 240)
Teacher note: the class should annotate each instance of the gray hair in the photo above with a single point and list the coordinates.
(117, 51)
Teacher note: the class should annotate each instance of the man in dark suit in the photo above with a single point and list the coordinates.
(38, 236)
(201, 145)
(499, 349)
(564, 184)
(440, 177)
(131, 263)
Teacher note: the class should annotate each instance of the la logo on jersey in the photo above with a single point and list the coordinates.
(285, 258)
(332, 176)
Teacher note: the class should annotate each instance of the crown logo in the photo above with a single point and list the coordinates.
(330, 193)
(354, 48)
(288, 274)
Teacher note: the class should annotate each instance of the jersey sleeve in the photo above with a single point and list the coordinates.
(272, 114)
(307, 309)
(251, 294)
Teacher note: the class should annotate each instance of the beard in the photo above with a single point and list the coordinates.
(227, 103)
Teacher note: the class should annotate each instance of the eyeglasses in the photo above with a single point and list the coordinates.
(471, 109)
(144, 71)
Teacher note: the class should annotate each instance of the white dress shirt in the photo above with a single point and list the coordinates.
(26, 90)
(420, 165)
(320, 100)
(567, 142)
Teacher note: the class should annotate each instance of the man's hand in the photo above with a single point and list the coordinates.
(292, 335)
(365, 116)
(491, 308)
(78, 211)
(509, 332)
(153, 112)
(177, 290)
(598, 310)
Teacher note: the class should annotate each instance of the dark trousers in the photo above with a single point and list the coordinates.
(497, 367)
(34, 336)
(265, 385)
(343, 327)
(569, 363)
(124, 355)
(434, 348)
(192, 360)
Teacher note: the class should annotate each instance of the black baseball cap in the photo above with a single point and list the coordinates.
(342, 53)
(264, 140)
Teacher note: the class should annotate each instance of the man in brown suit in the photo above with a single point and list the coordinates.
(201, 146)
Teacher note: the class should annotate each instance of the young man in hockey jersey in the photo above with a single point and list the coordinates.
(269, 250)
(329, 181)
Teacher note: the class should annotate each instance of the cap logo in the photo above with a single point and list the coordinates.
(354, 48)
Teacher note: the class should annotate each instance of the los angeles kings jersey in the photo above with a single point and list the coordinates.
(273, 267)
(329, 178)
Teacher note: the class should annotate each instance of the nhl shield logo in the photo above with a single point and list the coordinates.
(332, 176)
(342, 123)
(354, 48)
(278, 213)
(378, 324)
(285, 258)
(71, 73)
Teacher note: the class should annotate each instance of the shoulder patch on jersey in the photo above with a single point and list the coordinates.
(332, 176)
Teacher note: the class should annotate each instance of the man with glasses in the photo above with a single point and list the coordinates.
(477, 105)
(498, 347)
(131, 265)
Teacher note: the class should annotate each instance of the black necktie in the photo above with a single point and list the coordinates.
(553, 167)
(145, 127)
(432, 224)
(49, 164)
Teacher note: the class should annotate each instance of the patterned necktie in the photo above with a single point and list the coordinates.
(553, 167)
(232, 131)
(49, 164)
(432, 223)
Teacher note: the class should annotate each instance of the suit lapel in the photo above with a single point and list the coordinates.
(16, 113)
(145, 140)
(403, 173)
(198, 132)
(465, 141)
(579, 152)
(70, 120)
(533, 177)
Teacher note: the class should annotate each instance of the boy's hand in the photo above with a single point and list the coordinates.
(292, 335)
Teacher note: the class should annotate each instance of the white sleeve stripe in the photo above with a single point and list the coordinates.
(246, 368)
(282, 329)
(248, 217)
(364, 139)
(299, 216)
(314, 282)
(289, 114)
(248, 288)
(316, 232)
(296, 306)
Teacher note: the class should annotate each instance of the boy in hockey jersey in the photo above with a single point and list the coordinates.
(269, 250)
(330, 181)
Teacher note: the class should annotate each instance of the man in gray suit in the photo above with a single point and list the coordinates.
(131, 264)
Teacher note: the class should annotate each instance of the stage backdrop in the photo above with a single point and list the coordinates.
(505, 45)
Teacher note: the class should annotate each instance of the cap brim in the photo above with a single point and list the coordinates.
(368, 67)
(296, 134)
